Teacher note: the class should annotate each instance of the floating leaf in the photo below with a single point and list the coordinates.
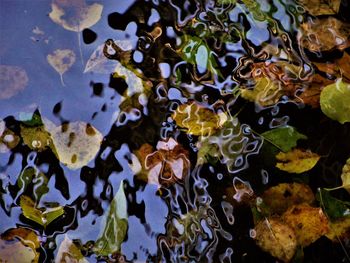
(8, 139)
(36, 138)
(13, 80)
(41, 216)
(198, 120)
(285, 138)
(280, 197)
(76, 143)
(335, 101)
(61, 60)
(115, 225)
(69, 252)
(339, 229)
(31, 176)
(309, 223)
(332, 206)
(345, 176)
(76, 15)
(321, 7)
(296, 161)
(19, 245)
(276, 238)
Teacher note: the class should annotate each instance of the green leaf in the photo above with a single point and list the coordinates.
(335, 101)
(38, 180)
(333, 207)
(284, 138)
(115, 225)
(41, 216)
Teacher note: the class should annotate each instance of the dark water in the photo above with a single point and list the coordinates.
(194, 219)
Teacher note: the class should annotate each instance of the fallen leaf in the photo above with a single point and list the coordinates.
(321, 7)
(76, 143)
(345, 176)
(309, 223)
(41, 216)
(13, 80)
(115, 224)
(276, 238)
(197, 120)
(8, 139)
(285, 138)
(19, 245)
(61, 60)
(333, 207)
(33, 177)
(282, 196)
(339, 229)
(296, 161)
(335, 101)
(76, 15)
(36, 138)
(69, 252)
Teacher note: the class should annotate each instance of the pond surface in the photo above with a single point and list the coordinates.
(174, 131)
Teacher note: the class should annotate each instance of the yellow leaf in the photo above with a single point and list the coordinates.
(319, 7)
(309, 223)
(13, 79)
(61, 60)
(69, 252)
(296, 161)
(339, 229)
(345, 176)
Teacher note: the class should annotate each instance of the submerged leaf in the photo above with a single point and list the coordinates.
(61, 60)
(8, 139)
(335, 101)
(36, 138)
(276, 238)
(69, 252)
(309, 223)
(285, 138)
(13, 80)
(296, 161)
(321, 7)
(76, 143)
(333, 207)
(115, 225)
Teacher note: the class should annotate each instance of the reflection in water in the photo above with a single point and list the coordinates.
(89, 96)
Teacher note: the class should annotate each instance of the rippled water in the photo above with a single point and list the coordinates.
(188, 211)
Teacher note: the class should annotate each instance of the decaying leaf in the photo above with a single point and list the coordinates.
(13, 80)
(19, 245)
(61, 60)
(280, 197)
(309, 223)
(115, 224)
(285, 138)
(276, 238)
(321, 7)
(198, 120)
(41, 216)
(345, 176)
(76, 143)
(69, 252)
(8, 139)
(335, 101)
(36, 138)
(75, 15)
(339, 229)
(296, 161)
(324, 34)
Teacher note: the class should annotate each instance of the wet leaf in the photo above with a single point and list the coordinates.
(13, 80)
(198, 120)
(296, 161)
(61, 60)
(335, 101)
(8, 139)
(333, 207)
(321, 7)
(41, 216)
(285, 138)
(75, 15)
(31, 176)
(19, 245)
(76, 143)
(36, 138)
(276, 238)
(309, 223)
(280, 197)
(339, 68)
(339, 229)
(115, 225)
(69, 252)
(345, 176)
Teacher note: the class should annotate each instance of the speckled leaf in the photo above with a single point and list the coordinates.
(115, 225)
(335, 101)
(339, 229)
(13, 79)
(61, 60)
(321, 7)
(69, 252)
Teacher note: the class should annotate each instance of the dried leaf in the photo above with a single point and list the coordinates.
(296, 161)
(309, 223)
(61, 60)
(335, 101)
(76, 143)
(339, 68)
(339, 229)
(276, 238)
(69, 252)
(280, 197)
(321, 7)
(13, 80)
(76, 15)
(19, 245)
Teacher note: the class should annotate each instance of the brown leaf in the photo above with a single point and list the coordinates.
(8, 139)
(339, 68)
(13, 80)
(339, 229)
(321, 7)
